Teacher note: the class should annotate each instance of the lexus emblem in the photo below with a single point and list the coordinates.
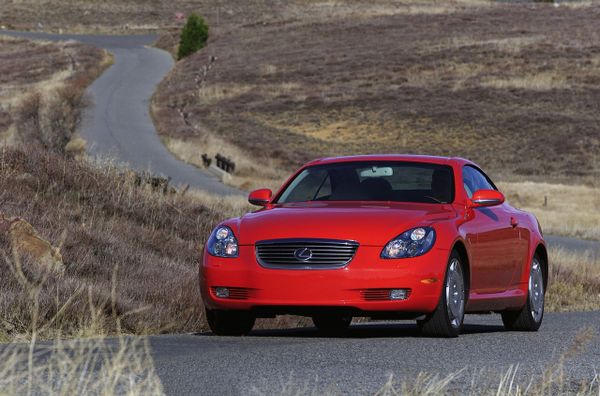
(303, 254)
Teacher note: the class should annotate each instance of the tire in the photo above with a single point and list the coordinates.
(332, 324)
(530, 317)
(230, 323)
(447, 319)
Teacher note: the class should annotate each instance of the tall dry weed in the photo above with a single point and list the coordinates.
(94, 366)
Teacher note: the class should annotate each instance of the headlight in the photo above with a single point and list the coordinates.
(412, 243)
(222, 243)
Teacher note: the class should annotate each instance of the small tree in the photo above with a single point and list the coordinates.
(193, 36)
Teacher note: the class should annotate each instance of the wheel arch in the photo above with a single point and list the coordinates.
(461, 249)
(542, 254)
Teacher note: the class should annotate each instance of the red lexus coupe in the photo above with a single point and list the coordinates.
(381, 236)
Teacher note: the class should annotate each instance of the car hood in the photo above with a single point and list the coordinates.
(367, 223)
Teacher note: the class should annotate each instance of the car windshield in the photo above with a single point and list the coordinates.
(372, 181)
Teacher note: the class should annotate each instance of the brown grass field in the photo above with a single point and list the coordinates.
(511, 86)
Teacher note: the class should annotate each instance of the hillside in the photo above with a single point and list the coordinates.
(131, 16)
(28, 67)
(513, 87)
(111, 233)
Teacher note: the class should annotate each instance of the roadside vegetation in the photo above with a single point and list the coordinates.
(43, 104)
(193, 36)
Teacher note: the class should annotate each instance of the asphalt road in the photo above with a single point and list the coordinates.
(574, 245)
(299, 361)
(118, 126)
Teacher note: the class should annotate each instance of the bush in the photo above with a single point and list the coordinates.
(51, 120)
(193, 36)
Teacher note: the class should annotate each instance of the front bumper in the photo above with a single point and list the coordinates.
(355, 287)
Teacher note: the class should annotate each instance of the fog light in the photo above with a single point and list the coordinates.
(399, 294)
(222, 292)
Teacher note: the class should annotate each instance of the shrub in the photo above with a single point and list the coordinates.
(193, 36)
(51, 120)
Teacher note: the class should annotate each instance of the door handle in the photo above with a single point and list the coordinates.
(514, 222)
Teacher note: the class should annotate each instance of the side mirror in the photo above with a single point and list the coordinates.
(486, 198)
(260, 197)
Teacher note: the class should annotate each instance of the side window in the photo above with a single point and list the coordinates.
(474, 179)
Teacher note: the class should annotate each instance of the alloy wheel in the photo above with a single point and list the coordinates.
(536, 290)
(455, 294)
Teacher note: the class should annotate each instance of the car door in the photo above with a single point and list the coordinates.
(521, 247)
(492, 237)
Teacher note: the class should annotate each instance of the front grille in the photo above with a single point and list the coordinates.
(305, 253)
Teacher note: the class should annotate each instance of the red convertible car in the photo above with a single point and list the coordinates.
(380, 236)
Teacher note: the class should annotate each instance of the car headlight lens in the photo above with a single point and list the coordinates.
(222, 243)
(412, 243)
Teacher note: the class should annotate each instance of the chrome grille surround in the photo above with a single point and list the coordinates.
(293, 254)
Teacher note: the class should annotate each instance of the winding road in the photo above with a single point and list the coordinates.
(299, 361)
(118, 126)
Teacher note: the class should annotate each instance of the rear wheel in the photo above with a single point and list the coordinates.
(529, 318)
(230, 323)
(447, 319)
(332, 324)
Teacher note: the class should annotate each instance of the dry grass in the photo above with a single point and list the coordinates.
(574, 282)
(545, 81)
(248, 175)
(507, 85)
(83, 367)
(95, 366)
(569, 210)
(50, 75)
(137, 15)
(107, 224)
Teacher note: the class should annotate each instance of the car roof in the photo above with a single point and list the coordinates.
(431, 159)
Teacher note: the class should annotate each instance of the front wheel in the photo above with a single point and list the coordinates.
(230, 323)
(332, 324)
(447, 319)
(529, 318)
